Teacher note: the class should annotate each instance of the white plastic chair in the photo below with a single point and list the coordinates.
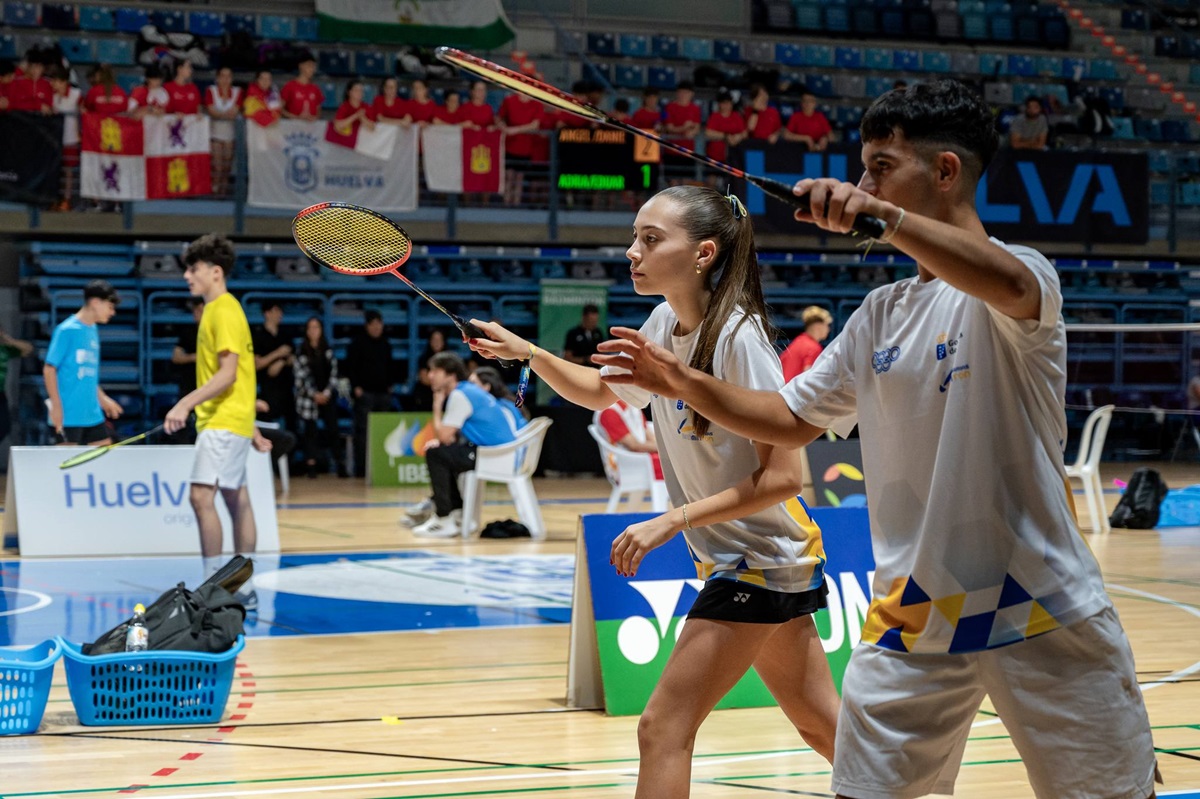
(1087, 466)
(512, 464)
(630, 473)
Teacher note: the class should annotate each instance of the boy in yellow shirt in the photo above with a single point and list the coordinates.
(224, 406)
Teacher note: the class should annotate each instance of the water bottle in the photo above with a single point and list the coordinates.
(137, 637)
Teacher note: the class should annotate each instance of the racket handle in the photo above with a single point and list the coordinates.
(471, 331)
(868, 226)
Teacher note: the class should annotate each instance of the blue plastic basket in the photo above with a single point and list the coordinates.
(155, 687)
(25, 677)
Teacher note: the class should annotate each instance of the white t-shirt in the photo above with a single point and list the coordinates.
(68, 105)
(960, 410)
(778, 548)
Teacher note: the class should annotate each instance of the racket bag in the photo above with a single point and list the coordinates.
(1141, 504)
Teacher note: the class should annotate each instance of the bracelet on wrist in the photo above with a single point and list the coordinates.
(687, 525)
(892, 230)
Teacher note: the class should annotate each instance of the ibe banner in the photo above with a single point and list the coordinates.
(395, 448)
(623, 629)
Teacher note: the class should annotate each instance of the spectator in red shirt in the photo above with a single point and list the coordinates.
(301, 97)
(105, 97)
(477, 114)
(519, 117)
(649, 116)
(620, 110)
(389, 106)
(353, 112)
(451, 112)
(151, 97)
(762, 119)
(615, 419)
(802, 353)
(724, 129)
(31, 91)
(808, 125)
(264, 104)
(185, 96)
(682, 117)
(8, 73)
(421, 108)
(222, 102)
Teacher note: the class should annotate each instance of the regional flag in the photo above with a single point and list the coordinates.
(459, 160)
(156, 158)
(112, 166)
(178, 158)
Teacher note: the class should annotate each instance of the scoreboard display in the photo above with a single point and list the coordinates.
(602, 159)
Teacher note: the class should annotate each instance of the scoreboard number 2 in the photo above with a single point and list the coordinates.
(646, 151)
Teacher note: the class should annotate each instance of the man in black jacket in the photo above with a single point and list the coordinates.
(372, 376)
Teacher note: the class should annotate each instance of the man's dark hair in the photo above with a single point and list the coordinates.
(450, 363)
(101, 290)
(212, 248)
(621, 105)
(372, 315)
(589, 308)
(686, 85)
(946, 114)
(7, 67)
(271, 305)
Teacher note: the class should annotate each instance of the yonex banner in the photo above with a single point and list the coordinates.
(623, 629)
(292, 166)
(396, 448)
(1026, 196)
(132, 501)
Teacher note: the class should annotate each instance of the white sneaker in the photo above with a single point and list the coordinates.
(438, 527)
(418, 513)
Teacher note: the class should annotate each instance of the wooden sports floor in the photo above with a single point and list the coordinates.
(481, 712)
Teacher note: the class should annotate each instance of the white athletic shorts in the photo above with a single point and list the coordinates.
(1069, 699)
(220, 459)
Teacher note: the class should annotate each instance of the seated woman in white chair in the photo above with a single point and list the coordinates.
(616, 420)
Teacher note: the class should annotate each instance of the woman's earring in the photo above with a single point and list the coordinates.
(698, 269)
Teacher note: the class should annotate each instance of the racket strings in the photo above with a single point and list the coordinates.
(352, 241)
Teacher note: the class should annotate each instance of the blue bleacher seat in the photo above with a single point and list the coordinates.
(1166, 46)
(1000, 27)
(634, 45)
(851, 85)
(819, 84)
(118, 52)
(307, 29)
(847, 117)
(333, 94)
(96, 18)
(131, 20)
(906, 60)
(8, 46)
(334, 62)
(1115, 96)
(809, 16)
(1021, 65)
(1074, 68)
(1103, 69)
(1194, 74)
(129, 82)
(935, 61)
(599, 73)
(697, 49)
(1133, 19)
(372, 63)
(893, 23)
(878, 58)
(662, 78)
(630, 76)
(271, 26)
(1048, 66)
(206, 23)
(241, 23)
(964, 63)
(21, 15)
(1055, 32)
(865, 20)
(877, 86)
(78, 50)
(992, 64)
(1160, 161)
(975, 27)
(1122, 128)
(789, 55)
(1189, 194)
(1175, 130)
(1160, 192)
(947, 25)
(664, 46)
(602, 44)
(837, 19)
(728, 50)
(920, 23)
(60, 17)
(1029, 29)
(758, 52)
(848, 58)
(1057, 91)
(818, 55)
(1148, 129)
(169, 21)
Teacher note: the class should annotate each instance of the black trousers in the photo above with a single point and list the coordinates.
(364, 406)
(445, 464)
(321, 442)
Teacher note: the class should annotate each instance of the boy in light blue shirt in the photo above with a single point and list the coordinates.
(78, 406)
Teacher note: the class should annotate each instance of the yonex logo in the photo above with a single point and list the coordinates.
(639, 638)
(883, 359)
(741, 598)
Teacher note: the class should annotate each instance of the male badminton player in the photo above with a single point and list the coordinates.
(224, 405)
(956, 379)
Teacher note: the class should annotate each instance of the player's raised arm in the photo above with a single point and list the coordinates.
(757, 415)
